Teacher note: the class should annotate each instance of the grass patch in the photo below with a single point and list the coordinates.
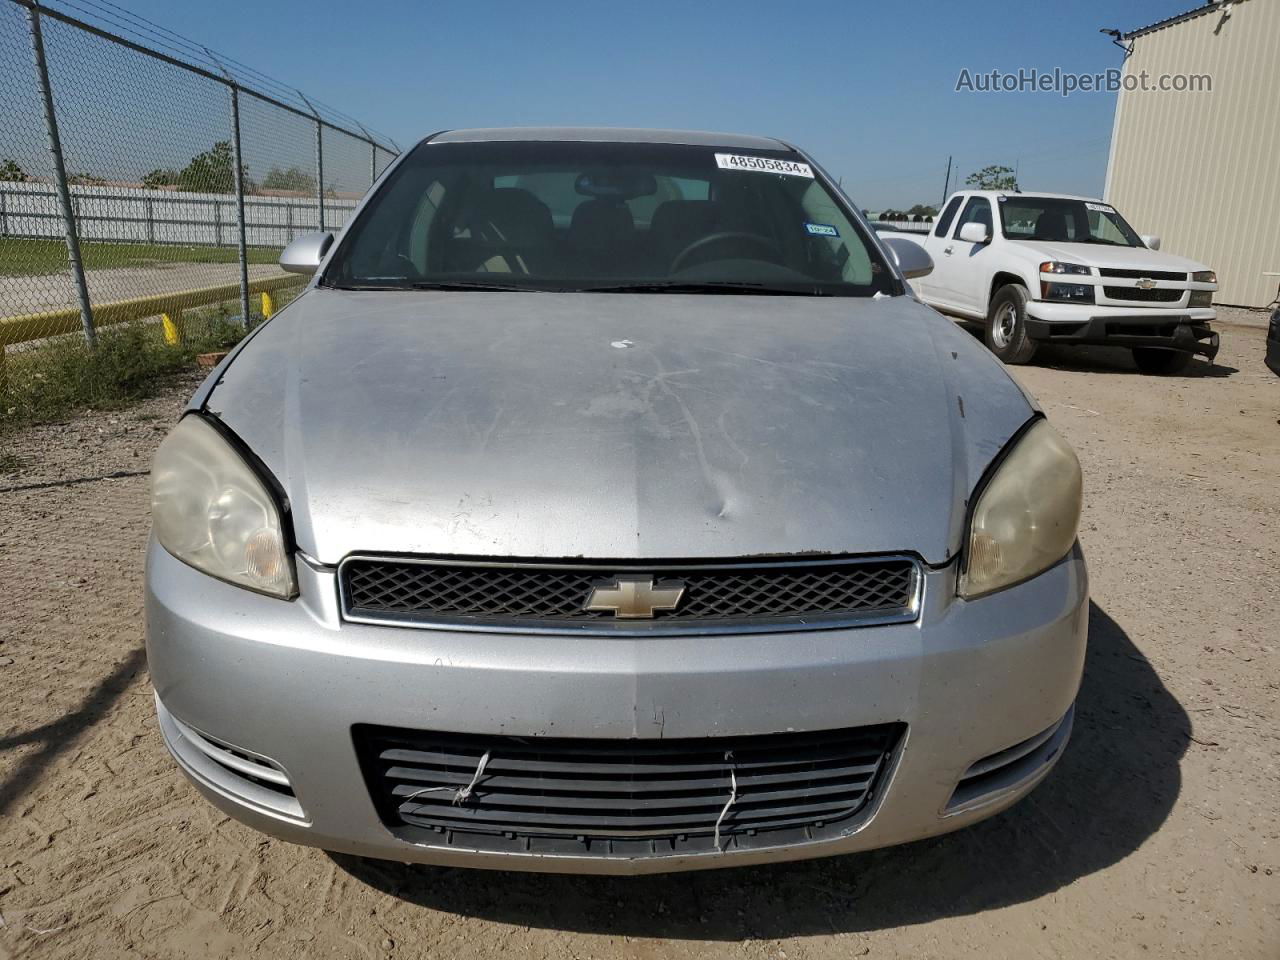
(26, 257)
(131, 361)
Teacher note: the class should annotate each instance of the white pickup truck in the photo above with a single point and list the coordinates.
(1050, 268)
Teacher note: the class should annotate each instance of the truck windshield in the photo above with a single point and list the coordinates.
(1064, 221)
(609, 217)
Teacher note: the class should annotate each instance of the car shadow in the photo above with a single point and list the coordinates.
(1113, 788)
(1099, 359)
(1116, 360)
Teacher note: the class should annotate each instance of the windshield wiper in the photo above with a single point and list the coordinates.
(708, 286)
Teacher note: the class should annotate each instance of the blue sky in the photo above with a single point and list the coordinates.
(868, 88)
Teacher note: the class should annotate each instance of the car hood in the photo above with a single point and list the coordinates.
(1100, 255)
(618, 426)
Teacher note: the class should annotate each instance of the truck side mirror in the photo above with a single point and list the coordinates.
(974, 232)
(1152, 243)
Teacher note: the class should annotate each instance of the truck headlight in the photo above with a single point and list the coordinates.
(1204, 276)
(1026, 517)
(210, 510)
(1057, 266)
(1201, 298)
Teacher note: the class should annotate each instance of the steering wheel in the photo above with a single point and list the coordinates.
(762, 244)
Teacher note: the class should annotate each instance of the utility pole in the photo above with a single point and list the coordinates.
(946, 185)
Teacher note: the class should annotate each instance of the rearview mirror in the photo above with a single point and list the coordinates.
(1152, 243)
(974, 232)
(304, 253)
(911, 259)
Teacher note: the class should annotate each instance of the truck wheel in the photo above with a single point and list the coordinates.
(1006, 331)
(1161, 363)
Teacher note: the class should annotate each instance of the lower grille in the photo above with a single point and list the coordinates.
(779, 594)
(1157, 295)
(622, 797)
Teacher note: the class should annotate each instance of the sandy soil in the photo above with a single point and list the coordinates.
(1157, 836)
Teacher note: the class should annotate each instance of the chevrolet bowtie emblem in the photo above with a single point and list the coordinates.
(634, 598)
(1146, 283)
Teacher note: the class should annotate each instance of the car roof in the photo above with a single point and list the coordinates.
(700, 138)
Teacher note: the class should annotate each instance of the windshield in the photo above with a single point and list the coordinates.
(560, 215)
(1065, 221)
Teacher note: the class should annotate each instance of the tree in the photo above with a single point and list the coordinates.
(923, 210)
(161, 178)
(294, 179)
(994, 177)
(10, 172)
(212, 171)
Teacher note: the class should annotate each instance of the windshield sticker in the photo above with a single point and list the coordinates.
(1100, 207)
(821, 230)
(733, 161)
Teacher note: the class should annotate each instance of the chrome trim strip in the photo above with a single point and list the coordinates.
(210, 775)
(221, 754)
(692, 628)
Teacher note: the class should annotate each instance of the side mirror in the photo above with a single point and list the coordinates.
(1152, 243)
(911, 259)
(304, 253)
(974, 232)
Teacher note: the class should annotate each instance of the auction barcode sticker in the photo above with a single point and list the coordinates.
(733, 161)
(1100, 207)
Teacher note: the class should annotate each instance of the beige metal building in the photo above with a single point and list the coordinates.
(1201, 168)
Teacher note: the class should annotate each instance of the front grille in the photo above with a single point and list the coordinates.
(1158, 295)
(1139, 274)
(621, 797)
(520, 595)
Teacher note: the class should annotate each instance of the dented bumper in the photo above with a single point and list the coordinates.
(258, 699)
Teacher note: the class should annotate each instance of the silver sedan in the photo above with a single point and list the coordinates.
(607, 504)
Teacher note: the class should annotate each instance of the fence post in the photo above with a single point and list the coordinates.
(320, 171)
(319, 158)
(151, 221)
(4, 213)
(241, 238)
(60, 175)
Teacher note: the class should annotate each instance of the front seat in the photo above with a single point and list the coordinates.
(602, 238)
(1051, 225)
(511, 232)
(678, 223)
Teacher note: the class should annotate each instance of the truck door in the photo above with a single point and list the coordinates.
(961, 273)
(926, 287)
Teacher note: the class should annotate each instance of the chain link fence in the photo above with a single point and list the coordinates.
(147, 183)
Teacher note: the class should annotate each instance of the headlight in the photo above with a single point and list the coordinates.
(1054, 266)
(1201, 298)
(209, 509)
(1204, 276)
(1026, 518)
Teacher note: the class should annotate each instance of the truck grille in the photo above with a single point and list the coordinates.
(1139, 274)
(1157, 295)
(630, 798)
(547, 596)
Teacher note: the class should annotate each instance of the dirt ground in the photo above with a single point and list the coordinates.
(1157, 836)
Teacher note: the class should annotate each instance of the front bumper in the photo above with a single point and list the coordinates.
(1086, 324)
(278, 686)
